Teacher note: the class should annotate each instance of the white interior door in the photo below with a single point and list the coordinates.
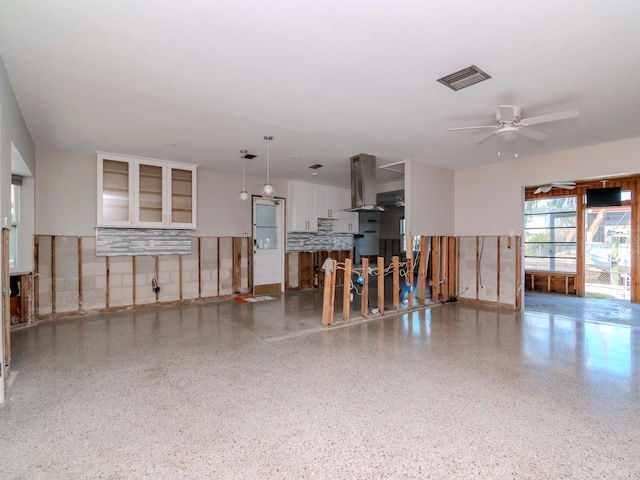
(268, 246)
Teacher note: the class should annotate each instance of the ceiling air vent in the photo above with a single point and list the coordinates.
(315, 166)
(464, 78)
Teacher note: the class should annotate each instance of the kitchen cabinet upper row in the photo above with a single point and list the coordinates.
(145, 193)
(308, 202)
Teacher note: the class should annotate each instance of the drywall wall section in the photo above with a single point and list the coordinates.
(489, 199)
(489, 270)
(13, 132)
(65, 193)
(71, 278)
(429, 199)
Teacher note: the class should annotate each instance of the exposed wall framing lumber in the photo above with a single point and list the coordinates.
(396, 282)
(346, 291)
(80, 273)
(53, 274)
(422, 271)
(380, 285)
(6, 308)
(364, 310)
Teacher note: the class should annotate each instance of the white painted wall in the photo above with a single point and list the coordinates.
(489, 199)
(13, 131)
(429, 199)
(66, 197)
(65, 193)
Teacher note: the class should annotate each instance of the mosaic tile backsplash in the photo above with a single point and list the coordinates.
(142, 241)
(318, 242)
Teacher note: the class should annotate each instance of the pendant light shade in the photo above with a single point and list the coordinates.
(267, 189)
(243, 194)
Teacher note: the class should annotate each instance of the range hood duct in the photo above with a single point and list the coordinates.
(363, 184)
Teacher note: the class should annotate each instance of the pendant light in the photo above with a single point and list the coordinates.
(243, 194)
(268, 190)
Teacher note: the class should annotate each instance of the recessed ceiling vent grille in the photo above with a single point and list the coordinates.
(315, 166)
(464, 78)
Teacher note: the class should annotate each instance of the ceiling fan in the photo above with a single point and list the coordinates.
(547, 187)
(510, 123)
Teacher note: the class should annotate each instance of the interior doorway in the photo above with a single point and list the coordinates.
(607, 257)
(268, 245)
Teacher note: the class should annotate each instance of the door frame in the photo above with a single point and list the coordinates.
(282, 244)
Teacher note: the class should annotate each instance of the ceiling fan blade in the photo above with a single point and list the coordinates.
(471, 128)
(543, 189)
(531, 133)
(549, 117)
(486, 137)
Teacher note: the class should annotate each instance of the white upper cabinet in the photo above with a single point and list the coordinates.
(348, 222)
(301, 207)
(115, 191)
(307, 202)
(145, 193)
(327, 201)
(182, 195)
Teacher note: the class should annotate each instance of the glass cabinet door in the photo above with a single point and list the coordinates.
(115, 192)
(150, 189)
(182, 198)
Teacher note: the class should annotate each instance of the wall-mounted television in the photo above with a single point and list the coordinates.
(604, 197)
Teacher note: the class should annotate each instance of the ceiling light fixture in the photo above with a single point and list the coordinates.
(508, 133)
(243, 194)
(268, 190)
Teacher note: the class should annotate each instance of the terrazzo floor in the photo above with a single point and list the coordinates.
(230, 390)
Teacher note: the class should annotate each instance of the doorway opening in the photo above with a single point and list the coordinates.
(607, 258)
(268, 245)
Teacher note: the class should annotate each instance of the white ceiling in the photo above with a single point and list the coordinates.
(327, 79)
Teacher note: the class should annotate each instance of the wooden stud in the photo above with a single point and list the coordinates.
(218, 268)
(180, 275)
(380, 285)
(346, 290)
(333, 286)
(327, 306)
(396, 282)
(444, 261)
(364, 307)
(498, 272)
(518, 273)
(453, 267)
(250, 263)
(36, 274)
(422, 271)
(199, 243)
(435, 269)
(107, 287)
(635, 243)
(6, 306)
(409, 246)
(53, 274)
(80, 273)
(133, 284)
(237, 264)
(410, 282)
(477, 268)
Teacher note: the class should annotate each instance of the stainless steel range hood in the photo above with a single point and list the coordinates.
(363, 184)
